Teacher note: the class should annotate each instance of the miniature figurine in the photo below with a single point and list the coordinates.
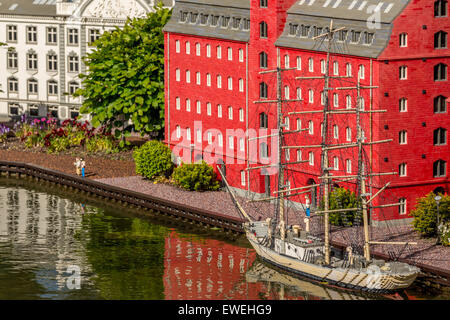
(77, 165)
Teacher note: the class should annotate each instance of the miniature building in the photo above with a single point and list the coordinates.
(214, 56)
(47, 40)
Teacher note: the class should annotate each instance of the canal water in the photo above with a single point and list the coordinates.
(60, 245)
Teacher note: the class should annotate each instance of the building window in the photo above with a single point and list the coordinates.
(362, 72)
(219, 81)
(225, 22)
(348, 134)
(440, 137)
(198, 78)
(214, 21)
(440, 40)
(219, 52)
(12, 60)
(230, 83)
(304, 31)
(246, 24)
(208, 108)
(362, 103)
(241, 144)
(177, 75)
(31, 34)
(403, 105)
(73, 87)
(311, 158)
(311, 95)
(230, 113)
(310, 127)
(94, 35)
(13, 109)
(439, 168)
(336, 163)
(32, 62)
(336, 68)
(403, 40)
(299, 124)
(11, 34)
(188, 76)
(348, 165)
(311, 64)
(74, 64)
(178, 132)
(299, 63)
(220, 140)
(263, 90)
(241, 85)
(199, 136)
(194, 17)
(348, 102)
(199, 107)
(208, 80)
(208, 51)
(402, 206)
(402, 170)
(178, 103)
(440, 72)
(241, 115)
(323, 66)
(263, 3)
(33, 110)
(299, 155)
(299, 93)
(402, 137)
(403, 73)
(241, 55)
(264, 150)
(236, 22)
(342, 35)
(293, 29)
(52, 35)
(13, 85)
(287, 124)
(197, 49)
(263, 30)
(336, 131)
(440, 8)
(32, 86)
(188, 134)
(286, 92)
(230, 54)
(188, 47)
(263, 60)
(52, 88)
(355, 36)
(348, 69)
(368, 38)
(243, 178)
(188, 105)
(286, 61)
(263, 120)
(209, 137)
(336, 99)
(72, 37)
(231, 142)
(52, 62)
(440, 104)
(219, 111)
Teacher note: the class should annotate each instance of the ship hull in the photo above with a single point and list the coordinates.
(374, 281)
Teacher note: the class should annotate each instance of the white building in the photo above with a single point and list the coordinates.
(46, 40)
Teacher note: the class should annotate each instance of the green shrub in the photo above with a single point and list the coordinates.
(197, 176)
(341, 198)
(425, 214)
(153, 159)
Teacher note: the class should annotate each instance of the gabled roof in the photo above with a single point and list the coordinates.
(28, 7)
(366, 18)
(206, 18)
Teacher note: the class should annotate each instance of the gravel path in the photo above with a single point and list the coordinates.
(425, 251)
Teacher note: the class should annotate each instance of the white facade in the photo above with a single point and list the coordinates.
(46, 40)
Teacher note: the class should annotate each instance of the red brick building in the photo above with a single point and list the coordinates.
(215, 53)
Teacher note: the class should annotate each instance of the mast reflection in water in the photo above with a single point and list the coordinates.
(44, 232)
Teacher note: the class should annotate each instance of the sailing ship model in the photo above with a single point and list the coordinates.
(299, 251)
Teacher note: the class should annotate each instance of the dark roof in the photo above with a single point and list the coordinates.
(28, 7)
(354, 15)
(210, 10)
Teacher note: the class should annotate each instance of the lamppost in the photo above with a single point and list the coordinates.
(437, 199)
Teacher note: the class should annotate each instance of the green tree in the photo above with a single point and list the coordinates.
(341, 198)
(425, 214)
(126, 76)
